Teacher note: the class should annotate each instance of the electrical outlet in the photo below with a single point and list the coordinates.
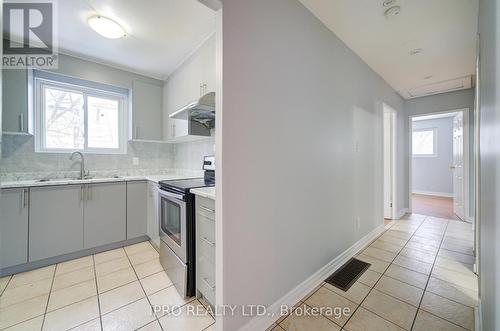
(135, 161)
(358, 223)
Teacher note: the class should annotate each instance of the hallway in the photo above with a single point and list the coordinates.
(441, 207)
(420, 279)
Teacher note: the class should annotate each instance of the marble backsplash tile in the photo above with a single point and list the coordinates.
(20, 162)
(189, 155)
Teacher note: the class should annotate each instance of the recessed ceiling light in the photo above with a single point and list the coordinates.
(388, 3)
(392, 12)
(415, 51)
(106, 27)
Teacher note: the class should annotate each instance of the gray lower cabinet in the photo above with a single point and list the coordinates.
(205, 248)
(13, 227)
(137, 209)
(56, 221)
(42, 222)
(104, 213)
(153, 214)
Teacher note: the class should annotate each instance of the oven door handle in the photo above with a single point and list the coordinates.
(171, 195)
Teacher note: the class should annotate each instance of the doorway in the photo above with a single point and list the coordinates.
(439, 164)
(389, 132)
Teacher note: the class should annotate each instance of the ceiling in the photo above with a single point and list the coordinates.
(161, 34)
(441, 32)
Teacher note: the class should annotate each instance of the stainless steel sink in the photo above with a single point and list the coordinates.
(46, 180)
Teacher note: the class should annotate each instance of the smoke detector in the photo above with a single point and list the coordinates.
(392, 12)
(415, 51)
(388, 3)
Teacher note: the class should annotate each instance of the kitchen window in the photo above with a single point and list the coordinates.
(79, 115)
(424, 142)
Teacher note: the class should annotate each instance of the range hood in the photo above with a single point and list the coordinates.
(201, 111)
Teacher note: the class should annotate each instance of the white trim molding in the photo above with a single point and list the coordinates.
(402, 213)
(434, 194)
(478, 316)
(304, 288)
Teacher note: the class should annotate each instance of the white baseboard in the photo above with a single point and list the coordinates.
(402, 213)
(434, 194)
(304, 288)
(478, 317)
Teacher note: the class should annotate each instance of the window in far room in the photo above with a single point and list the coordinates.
(424, 142)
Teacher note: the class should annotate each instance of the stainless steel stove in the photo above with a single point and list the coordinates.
(177, 227)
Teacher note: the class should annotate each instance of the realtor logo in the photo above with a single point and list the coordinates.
(29, 35)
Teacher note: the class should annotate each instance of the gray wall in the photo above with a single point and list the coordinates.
(439, 103)
(77, 67)
(296, 104)
(433, 174)
(489, 29)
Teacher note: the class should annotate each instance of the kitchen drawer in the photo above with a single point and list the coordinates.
(206, 237)
(205, 227)
(205, 207)
(205, 282)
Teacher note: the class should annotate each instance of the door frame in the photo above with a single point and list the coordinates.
(466, 146)
(393, 158)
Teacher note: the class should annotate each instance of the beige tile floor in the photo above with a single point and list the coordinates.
(114, 290)
(420, 279)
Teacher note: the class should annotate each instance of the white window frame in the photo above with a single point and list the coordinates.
(101, 91)
(434, 142)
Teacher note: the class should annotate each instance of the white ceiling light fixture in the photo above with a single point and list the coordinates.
(106, 27)
(392, 12)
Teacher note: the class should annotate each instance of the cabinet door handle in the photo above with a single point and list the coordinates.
(201, 89)
(136, 132)
(205, 280)
(24, 198)
(81, 194)
(21, 122)
(207, 209)
(208, 241)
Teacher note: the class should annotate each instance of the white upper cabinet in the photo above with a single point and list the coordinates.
(194, 78)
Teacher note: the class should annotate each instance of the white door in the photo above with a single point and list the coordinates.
(457, 167)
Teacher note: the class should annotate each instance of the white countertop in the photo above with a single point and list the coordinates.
(206, 192)
(67, 181)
